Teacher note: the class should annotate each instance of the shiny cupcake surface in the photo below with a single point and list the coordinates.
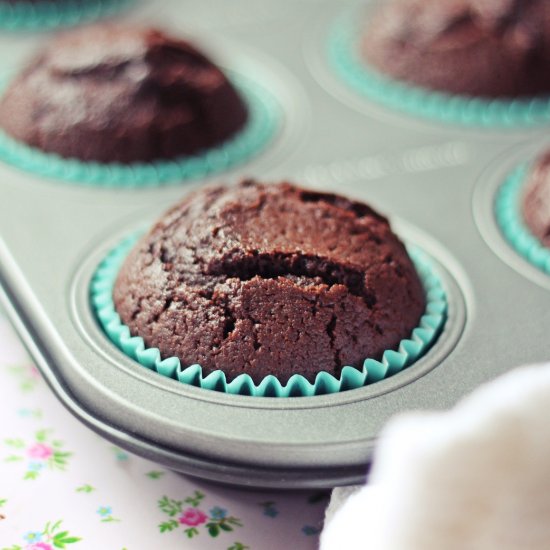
(270, 279)
(112, 93)
(482, 48)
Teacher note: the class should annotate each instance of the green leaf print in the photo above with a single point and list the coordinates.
(109, 519)
(42, 436)
(62, 541)
(85, 489)
(42, 453)
(213, 529)
(50, 529)
(169, 506)
(27, 376)
(13, 458)
(154, 474)
(195, 500)
(169, 525)
(191, 516)
(59, 459)
(58, 540)
(16, 443)
(238, 546)
(70, 540)
(3, 501)
(191, 532)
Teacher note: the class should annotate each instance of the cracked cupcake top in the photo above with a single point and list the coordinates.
(270, 279)
(117, 93)
(486, 48)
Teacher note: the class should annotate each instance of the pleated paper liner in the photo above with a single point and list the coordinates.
(510, 220)
(346, 61)
(37, 16)
(263, 122)
(393, 361)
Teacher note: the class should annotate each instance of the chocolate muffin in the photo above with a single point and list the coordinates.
(270, 279)
(115, 93)
(484, 48)
(536, 200)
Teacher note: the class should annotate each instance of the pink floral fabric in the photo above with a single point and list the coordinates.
(193, 517)
(41, 451)
(63, 486)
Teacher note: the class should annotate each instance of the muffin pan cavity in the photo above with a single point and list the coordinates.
(437, 184)
(335, 60)
(262, 126)
(410, 349)
(277, 113)
(497, 207)
(252, 424)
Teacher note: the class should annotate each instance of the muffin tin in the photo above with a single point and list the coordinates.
(437, 183)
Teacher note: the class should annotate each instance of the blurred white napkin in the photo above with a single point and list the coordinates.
(473, 478)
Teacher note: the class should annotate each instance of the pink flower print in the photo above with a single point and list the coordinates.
(193, 517)
(39, 450)
(38, 546)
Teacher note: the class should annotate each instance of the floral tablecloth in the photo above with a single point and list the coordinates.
(62, 486)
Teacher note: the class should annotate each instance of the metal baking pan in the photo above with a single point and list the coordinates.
(435, 181)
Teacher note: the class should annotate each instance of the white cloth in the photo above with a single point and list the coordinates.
(473, 478)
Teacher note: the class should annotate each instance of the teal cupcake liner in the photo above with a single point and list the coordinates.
(510, 220)
(261, 127)
(345, 59)
(392, 362)
(54, 14)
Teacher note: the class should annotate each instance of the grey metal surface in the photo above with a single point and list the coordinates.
(436, 183)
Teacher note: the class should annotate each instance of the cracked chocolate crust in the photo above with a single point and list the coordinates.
(270, 279)
(484, 48)
(112, 93)
(536, 200)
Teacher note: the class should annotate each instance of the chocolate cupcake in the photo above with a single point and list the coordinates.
(536, 200)
(482, 48)
(111, 93)
(270, 279)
